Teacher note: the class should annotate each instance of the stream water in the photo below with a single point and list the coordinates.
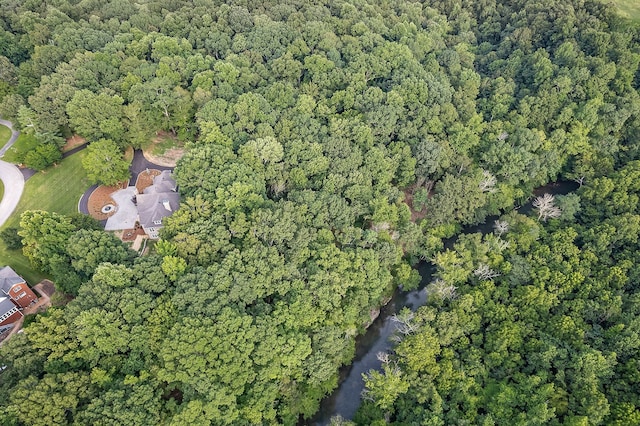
(345, 400)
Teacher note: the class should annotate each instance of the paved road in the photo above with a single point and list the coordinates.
(11, 177)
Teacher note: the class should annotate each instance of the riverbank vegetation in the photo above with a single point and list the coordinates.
(329, 147)
(541, 331)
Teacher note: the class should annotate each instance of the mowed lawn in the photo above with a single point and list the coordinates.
(18, 150)
(629, 8)
(5, 134)
(58, 190)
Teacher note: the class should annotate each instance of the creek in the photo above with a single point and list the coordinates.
(345, 400)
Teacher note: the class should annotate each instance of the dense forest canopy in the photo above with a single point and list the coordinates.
(330, 146)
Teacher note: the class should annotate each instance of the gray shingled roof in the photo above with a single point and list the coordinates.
(6, 305)
(162, 183)
(8, 278)
(153, 207)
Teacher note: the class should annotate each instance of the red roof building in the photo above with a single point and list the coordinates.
(15, 295)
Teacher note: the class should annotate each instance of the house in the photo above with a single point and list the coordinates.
(156, 202)
(15, 295)
(9, 313)
(153, 207)
(14, 286)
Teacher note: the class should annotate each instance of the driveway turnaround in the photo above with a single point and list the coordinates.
(13, 186)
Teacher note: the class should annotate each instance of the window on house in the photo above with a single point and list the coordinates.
(21, 295)
(8, 314)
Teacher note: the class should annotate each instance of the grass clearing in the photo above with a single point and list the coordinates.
(162, 143)
(58, 190)
(24, 144)
(20, 264)
(629, 9)
(5, 134)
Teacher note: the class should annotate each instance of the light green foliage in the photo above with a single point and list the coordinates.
(105, 163)
(173, 267)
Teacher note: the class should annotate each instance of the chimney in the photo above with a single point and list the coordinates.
(166, 204)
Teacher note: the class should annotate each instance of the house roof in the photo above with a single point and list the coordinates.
(9, 278)
(6, 305)
(156, 206)
(164, 182)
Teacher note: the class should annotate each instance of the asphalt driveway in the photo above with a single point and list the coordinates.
(12, 139)
(11, 177)
(13, 186)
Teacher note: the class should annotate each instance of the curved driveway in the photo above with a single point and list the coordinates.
(11, 178)
(12, 139)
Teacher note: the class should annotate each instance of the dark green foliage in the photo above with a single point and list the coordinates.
(42, 157)
(11, 239)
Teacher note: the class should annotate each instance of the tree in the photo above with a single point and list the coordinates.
(173, 267)
(44, 236)
(105, 164)
(546, 207)
(97, 116)
(42, 156)
(10, 106)
(11, 238)
(87, 249)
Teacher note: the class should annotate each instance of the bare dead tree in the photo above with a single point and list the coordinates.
(484, 272)
(429, 185)
(503, 136)
(440, 289)
(546, 207)
(500, 227)
(383, 357)
(278, 188)
(404, 322)
(500, 244)
(580, 180)
(488, 182)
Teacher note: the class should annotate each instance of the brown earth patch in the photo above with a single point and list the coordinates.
(168, 159)
(101, 197)
(45, 287)
(145, 179)
(416, 215)
(73, 142)
(164, 150)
